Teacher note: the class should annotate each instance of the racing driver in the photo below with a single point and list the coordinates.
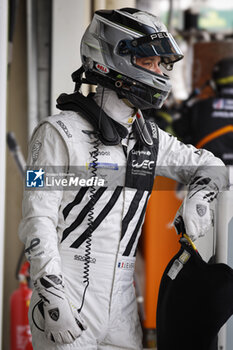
(81, 242)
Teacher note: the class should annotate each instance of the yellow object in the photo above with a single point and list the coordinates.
(190, 241)
(225, 81)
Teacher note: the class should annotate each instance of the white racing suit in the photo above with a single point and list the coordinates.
(55, 223)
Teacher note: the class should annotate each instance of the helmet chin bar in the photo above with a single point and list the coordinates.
(140, 103)
(138, 94)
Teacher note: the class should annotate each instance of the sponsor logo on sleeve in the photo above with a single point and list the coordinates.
(64, 128)
(36, 150)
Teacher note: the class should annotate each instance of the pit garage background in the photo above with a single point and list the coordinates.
(39, 49)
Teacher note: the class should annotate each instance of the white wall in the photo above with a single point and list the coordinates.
(69, 24)
(3, 82)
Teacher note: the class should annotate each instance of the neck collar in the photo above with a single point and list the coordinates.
(114, 107)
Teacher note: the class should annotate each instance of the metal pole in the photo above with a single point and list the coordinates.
(32, 66)
(3, 94)
(170, 14)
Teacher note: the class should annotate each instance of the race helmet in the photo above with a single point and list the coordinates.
(223, 73)
(110, 46)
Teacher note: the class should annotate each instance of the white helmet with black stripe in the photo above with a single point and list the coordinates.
(110, 46)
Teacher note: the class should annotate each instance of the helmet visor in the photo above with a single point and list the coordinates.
(157, 44)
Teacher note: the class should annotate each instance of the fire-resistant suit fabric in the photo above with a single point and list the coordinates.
(55, 224)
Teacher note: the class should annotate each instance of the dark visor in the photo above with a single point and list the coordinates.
(156, 44)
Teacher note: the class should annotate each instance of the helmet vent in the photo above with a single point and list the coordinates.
(160, 81)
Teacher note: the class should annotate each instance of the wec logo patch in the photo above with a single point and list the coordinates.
(145, 164)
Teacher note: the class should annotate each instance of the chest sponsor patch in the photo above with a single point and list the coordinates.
(125, 265)
(84, 258)
(145, 164)
(103, 165)
(100, 153)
